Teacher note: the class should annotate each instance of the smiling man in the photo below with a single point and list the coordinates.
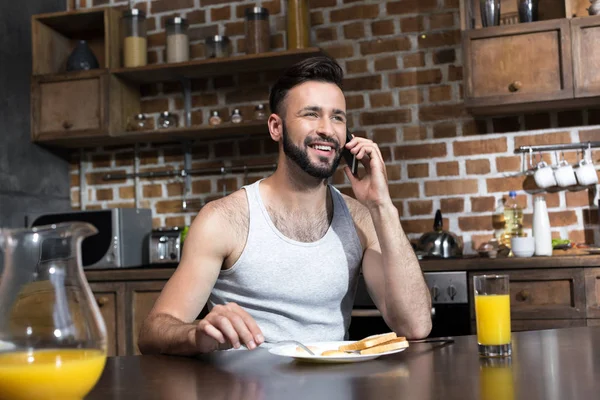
(280, 259)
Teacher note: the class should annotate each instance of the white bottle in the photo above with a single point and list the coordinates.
(541, 228)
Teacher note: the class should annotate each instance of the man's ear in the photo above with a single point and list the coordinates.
(275, 124)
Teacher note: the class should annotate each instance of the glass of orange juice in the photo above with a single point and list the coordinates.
(492, 312)
(52, 335)
(496, 379)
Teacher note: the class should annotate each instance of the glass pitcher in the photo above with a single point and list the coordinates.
(52, 335)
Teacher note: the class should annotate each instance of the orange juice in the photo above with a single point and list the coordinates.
(492, 313)
(496, 383)
(66, 374)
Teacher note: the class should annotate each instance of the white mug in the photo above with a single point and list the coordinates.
(543, 176)
(586, 173)
(564, 174)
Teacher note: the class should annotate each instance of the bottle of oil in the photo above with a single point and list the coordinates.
(513, 219)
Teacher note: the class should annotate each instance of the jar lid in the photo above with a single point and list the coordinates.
(134, 12)
(217, 39)
(260, 107)
(166, 114)
(257, 12)
(140, 117)
(236, 111)
(176, 21)
(214, 113)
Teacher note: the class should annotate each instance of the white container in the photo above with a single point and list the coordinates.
(541, 228)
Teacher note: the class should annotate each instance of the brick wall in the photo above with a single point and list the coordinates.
(403, 85)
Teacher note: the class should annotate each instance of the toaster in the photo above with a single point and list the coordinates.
(165, 245)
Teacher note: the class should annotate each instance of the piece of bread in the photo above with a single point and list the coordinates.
(301, 352)
(394, 344)
(369, 341)
(334, 353)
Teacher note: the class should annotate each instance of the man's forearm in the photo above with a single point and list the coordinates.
(407, 300)
(164, 334)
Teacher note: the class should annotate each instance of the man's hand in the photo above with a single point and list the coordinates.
(226, 327)
(371, 189)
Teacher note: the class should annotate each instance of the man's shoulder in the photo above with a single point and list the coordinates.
(358, 211)
(229, 209)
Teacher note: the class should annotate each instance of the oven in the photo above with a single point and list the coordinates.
(449, 313)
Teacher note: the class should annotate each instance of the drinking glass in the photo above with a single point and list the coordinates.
(52, 335)
(496, 379)
(492, 312)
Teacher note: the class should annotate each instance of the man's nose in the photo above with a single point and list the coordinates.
(325, 127)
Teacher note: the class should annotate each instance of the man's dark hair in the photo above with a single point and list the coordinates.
(320, 69)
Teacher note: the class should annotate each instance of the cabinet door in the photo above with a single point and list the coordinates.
(142, 296)
(586, 56)
(592, 291)
(540, 324)
(110, 300)
(517, 64)
(64, 107)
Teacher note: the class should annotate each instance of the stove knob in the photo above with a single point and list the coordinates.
(451, 292)
(435, 292)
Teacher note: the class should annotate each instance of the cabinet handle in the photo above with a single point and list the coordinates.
(523, 295)
(101, 301)
(515, 86)
(67, 125)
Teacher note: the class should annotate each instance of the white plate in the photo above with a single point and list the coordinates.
(289, 350)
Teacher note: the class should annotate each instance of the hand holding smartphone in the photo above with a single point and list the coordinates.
(349, 157)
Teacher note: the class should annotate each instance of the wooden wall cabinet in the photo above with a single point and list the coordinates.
(585, 37)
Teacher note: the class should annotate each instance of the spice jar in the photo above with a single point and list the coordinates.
(257, 30)
(167, 120)
(135, 43)
(236, 116)
(297, 24)
(260, 113)
(178, 45)
(138, 122)
(215, 118)
(217, 46)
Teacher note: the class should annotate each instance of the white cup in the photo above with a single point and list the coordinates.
(544, 176)
(564, 174)
(522, 246)
(586, 173)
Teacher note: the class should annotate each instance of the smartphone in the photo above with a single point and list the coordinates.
(349, 157)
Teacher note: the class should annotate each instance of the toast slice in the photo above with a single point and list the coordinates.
(394, 344)
(369, 341)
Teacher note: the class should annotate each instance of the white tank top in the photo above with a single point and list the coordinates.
(294, 290)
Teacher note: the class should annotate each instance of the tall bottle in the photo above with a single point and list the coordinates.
(298, 24)
(513, 219)
(541, 228)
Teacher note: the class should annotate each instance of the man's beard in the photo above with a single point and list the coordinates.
(300, 156)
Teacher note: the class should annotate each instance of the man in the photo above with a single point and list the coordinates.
(279, 259)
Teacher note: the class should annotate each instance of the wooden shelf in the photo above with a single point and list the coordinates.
(193, 133)
(215, 66)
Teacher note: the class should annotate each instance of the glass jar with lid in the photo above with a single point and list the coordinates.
(135, 42)
(298, 24)
(167, 119)
(178, 45)
(257, 30)
(217, 46)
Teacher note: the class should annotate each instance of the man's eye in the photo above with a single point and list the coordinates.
(339, 118)
(311, 114)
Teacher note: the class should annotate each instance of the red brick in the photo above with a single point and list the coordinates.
(441, 21)
(447, 168)
(474, 147)
(444, 130)
(152, 191)
(344, 50)
(377, 46)
(175, 221)
(474, 127)
(582, 236)
(384, 135)
(455, 73)
(354, 102)
(356, 66)
(418, 170)
(440, 93)
(168, 206)
(410, 96)
(563, 218)
(359, 12)
(316, 18)
(101, 160)
(483, 204)
(495, 185)
(104, 194)
(420, 207)
(160, 6)
(386, 63)
(174, 189)
(420, 151)
(220, 14)
(452, 205)
(404, 190)
(196, 17)
(412, 24)
(441, 112)
(591, 135)
(398, 116)
(203, 186)
(394, 172)
(508, 164)
(326, 34)
(582, 198)
(414, 133)
(370, 82)
(439, 39)
(478, 167)
(478, 240)
(154, 106)
(321, 3)
(354, 30)
(384, 99)
(419, 225)
(97, 178)
(411, 6)
(479, 223)
(381, 28)
(546, 138)
(451, 187)
(414, 60)
(414, 78)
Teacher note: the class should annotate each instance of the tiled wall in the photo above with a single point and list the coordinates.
(402, 61)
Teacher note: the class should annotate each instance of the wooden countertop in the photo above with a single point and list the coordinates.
(558, 364)
(164, 272)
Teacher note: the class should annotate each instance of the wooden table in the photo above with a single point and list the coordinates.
(551, 364)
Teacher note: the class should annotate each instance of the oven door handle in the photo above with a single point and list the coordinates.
(366, 313)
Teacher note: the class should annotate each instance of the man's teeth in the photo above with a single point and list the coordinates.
(324, 148)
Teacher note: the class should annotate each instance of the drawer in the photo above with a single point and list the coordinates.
(518, 64)
(544, 293)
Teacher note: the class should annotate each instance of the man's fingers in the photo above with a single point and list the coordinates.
(255, 333)
(223, 324)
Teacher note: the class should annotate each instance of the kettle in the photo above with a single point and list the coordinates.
(439, 243)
